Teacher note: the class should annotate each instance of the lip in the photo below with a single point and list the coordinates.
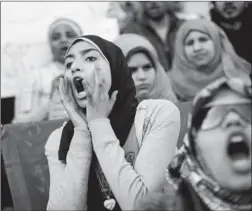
(200, 55)
(240, 161)
(142, 86)
(79, 95)
(63, 49)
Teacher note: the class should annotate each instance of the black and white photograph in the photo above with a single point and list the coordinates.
(126, 105)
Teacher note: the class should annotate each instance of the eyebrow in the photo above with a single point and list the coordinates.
(83, 52)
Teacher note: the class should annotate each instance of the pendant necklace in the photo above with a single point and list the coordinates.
(109, 203)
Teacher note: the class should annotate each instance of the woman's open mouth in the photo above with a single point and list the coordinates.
(239, 151)
(63, 50)
(79, 88)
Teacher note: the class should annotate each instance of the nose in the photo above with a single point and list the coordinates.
(63, 39)
(76, 67)
(140, 74)
(233, 119)
(197, 46)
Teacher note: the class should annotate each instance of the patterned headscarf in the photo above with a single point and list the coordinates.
(185, 167)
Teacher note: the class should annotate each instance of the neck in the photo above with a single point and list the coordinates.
(236, 25)
(161, 27)
(163, 23)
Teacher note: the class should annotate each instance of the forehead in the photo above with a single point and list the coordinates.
(138, 58)
(81, 46)
(62, 28)
(195, 34)
(227, 96)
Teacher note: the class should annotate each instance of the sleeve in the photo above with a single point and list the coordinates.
(69, 182)
(130, 184)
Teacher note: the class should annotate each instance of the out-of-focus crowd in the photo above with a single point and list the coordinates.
(170, 57)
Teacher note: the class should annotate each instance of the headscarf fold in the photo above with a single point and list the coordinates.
(185, 167)
(187, 79)
(74, 26)
(121, 117)
(162, 88)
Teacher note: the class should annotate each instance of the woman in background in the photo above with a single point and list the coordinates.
(33, 102)
(212, 170)
(203, 54)
(149, 76)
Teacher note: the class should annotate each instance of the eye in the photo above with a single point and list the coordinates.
(203, 39)
(147, 67)
(91, 59)
(55, 36)
(133, 69)
(68, 65)
(71, 34)
(190, 42)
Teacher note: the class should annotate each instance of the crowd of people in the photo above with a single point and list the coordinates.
(120, 99)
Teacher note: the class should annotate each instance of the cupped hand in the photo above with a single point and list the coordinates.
(99, 104)
(74, 111)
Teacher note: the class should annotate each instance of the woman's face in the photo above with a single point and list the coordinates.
(80, 64)
(143, 74)
(225, 150)
(61, 38)
(199, 48)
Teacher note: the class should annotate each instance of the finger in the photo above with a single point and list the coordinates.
(87, 87)
(113, 98)
(62, 90)
(98, 84)
(67, 82)
(88, 91)
(70, 91)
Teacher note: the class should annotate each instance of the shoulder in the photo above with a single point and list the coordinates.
(53, 142)
(158, 106)
(152, 114)
(132, 27)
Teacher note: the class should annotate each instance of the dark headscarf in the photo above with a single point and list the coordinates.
(121, 117)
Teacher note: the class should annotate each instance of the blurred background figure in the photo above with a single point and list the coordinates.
(125, 12)
(149, 76)
(203, 54)
(157, 22)
(33, 100)
(212, 170)
(234, 18)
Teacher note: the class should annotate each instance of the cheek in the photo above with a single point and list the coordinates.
(134, 76)
(151, 74)
(106, 74)
(210, 48)
(211, 147)
(188, 52)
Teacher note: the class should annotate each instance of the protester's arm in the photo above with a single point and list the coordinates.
(130, 185)
(69, 182)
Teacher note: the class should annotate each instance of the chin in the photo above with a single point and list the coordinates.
(141, 97)
(239, 184)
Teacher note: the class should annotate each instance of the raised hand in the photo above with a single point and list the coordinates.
(99, 105)
(74, 111)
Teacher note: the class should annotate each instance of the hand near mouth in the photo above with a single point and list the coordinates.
(99, 105)
(76, 115)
